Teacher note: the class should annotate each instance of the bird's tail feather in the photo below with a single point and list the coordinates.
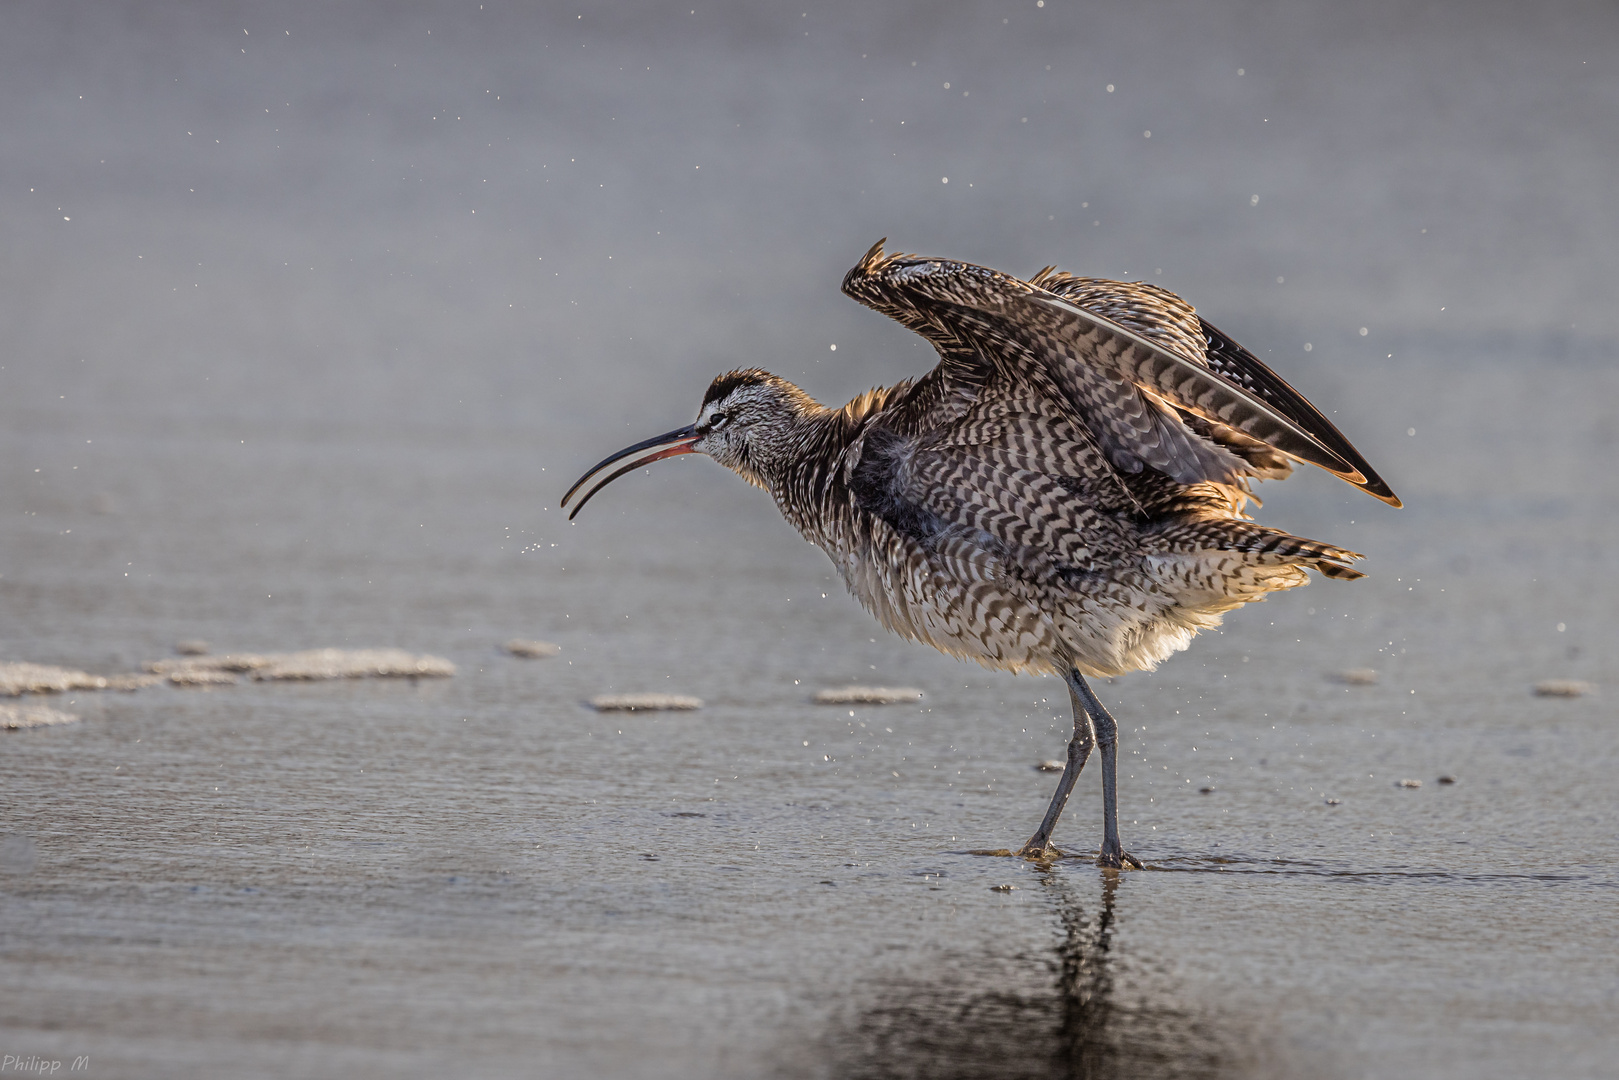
(1248, 538)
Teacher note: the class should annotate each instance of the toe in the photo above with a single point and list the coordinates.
(1118, 860)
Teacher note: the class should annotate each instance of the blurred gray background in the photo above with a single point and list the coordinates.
(309, 314)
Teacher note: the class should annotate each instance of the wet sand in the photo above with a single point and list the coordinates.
(350, 424)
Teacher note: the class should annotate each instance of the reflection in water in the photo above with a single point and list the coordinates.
(1002, 1017)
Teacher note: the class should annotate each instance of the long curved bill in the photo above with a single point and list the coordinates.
(668, 445)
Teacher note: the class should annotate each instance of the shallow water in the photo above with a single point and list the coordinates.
(482, 875)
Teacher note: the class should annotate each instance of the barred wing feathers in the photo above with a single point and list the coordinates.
(1129, 383)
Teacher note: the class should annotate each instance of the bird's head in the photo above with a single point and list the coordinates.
(746, 423)
(747, 420)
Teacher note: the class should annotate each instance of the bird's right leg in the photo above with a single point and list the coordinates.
(1079, 749)
(1113, 854)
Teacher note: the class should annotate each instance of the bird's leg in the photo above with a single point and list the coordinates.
(1107, 740)
(1079, 749)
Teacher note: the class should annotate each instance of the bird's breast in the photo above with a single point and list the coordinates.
(952, 594)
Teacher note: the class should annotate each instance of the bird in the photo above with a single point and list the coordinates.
(1065, 493)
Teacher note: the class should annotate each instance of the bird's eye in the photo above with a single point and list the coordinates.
(718, 420)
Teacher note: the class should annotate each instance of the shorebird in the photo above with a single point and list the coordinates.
(1064, 493)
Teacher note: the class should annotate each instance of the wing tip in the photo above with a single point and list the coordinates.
(868, 266)
(1376, 490)
(1372, 485)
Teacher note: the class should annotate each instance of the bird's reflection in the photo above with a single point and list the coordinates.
(1007, 1017)
(1085, 990)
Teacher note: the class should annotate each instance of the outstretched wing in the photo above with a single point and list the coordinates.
(1126, 384)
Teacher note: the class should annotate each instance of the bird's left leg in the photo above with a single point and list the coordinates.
(1107, 741)
(1079, 751)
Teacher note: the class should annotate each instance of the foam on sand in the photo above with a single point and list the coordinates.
(201, 677)
(643, 702)
(17, 717)
(310, 664)
(531, 650)
(355, 664)
(867, 695)
(1562, 688)
(21, 677)
(226, 662)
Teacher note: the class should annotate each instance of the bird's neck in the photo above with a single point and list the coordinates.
(797, 438)
(805, 470)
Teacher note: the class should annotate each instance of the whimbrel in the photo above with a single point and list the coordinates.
(1064, 493)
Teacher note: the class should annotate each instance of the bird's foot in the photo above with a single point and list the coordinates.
(1039, 849)
(1117, 859)
(1032, 852)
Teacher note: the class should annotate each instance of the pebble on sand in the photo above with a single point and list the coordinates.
(1360, 676)
(531, 650)
(1334, 802)
(867, 695)
(314, 664)
(191, 647)
(1053, 765)
(1447, 779)
(25, 678)
(1408, 783)
(1002, 888)
(643, 702)
(1562, 688)
(17, 717)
